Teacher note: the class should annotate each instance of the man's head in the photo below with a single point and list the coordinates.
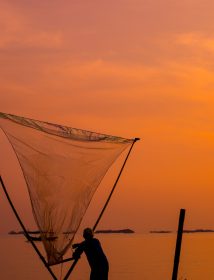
(88, 233)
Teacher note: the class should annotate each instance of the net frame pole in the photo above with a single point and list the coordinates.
(25, 231)
(106, 204)
(114, 186)
(178, 244)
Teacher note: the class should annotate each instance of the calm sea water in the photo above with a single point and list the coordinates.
(131, 257)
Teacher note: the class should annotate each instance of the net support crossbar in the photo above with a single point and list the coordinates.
(25, 231)
(104, 207)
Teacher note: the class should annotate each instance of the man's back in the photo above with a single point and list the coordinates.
(95, 255)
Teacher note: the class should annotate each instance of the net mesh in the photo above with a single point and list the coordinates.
(63, 167)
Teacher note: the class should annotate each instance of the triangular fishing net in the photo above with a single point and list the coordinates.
(63, 167)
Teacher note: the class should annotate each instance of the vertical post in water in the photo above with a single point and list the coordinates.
(178, 244)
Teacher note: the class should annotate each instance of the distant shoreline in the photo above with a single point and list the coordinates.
(127, 231)
(22, 232)
(160, 231)
(198, 230)
(184, 231)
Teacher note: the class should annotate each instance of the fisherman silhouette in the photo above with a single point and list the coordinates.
(95, 255)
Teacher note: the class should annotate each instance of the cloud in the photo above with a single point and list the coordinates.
(145, 77)
(17, 31)
(100, 74)
(196, 41)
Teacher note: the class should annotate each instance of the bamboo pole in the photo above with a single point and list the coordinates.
(115, 184)
(178, 244)
(107, 201)
(25, 231)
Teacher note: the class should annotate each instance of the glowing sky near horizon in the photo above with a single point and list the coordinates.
(133, 68)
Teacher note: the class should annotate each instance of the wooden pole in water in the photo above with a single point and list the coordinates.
(178, 244)
(25, 231)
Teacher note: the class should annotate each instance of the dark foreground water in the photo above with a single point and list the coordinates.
(131, 257)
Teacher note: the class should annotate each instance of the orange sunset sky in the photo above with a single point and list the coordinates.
(132, 68)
